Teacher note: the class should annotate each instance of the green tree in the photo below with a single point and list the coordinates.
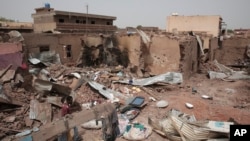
(139, 27)
(230, 31)
(6, 20)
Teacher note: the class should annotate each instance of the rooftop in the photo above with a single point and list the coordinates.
(44, 10)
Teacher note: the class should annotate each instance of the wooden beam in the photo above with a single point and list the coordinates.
(57, 127)
(5, 70)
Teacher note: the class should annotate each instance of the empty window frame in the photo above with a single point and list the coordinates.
(61, 20)
(67, 51)
(92, 22)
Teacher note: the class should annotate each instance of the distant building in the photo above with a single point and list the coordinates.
(241, 31)
(211, 25)
(47, 19)
(149, 29)
(22, 27)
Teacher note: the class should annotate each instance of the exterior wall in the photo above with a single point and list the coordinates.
(206, 40)
(213, 46)
(165, 53)
(43, 27)
(72, 19)
(55, 43)
(209, 24)
(49, 20)
(189, 53)
(133, 45)
(232, 50)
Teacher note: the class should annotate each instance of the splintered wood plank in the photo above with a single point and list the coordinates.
(57, 127)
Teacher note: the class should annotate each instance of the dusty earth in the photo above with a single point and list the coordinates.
(231, 102)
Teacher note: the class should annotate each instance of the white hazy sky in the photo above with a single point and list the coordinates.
(236, 13)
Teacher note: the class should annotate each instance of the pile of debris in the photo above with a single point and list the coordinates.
(179, 126)
(33, 96)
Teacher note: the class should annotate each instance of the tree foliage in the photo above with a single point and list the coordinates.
(6, 19)
(230, 31)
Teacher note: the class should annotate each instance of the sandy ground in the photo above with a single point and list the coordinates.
(230, 101)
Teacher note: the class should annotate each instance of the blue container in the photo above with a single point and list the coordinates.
(47, 5)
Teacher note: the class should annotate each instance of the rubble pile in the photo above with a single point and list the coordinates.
(33, 95)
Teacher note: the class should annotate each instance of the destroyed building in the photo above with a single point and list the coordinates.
(48, 19)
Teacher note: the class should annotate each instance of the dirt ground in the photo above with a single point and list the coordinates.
(230, 103)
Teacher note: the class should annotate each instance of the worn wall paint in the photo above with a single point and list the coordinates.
(208, 24)
(190, 53)
(213, 45)
(133, 45)
(165, 54)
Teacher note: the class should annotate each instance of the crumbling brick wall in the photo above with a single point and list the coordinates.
(189, 60)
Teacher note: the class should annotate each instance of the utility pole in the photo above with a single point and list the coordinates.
(87, 8)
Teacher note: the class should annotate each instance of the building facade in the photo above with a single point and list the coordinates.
(47, 19)
(210, 25)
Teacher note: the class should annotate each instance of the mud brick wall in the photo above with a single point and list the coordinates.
(55, 42)
(165, 55)
(213, 46)
(132, 44)
(189, 61)
(232, 50)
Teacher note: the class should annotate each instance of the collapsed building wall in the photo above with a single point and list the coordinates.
(233, 51)
(132, 44)
(213, 46)
(189, 57)
(163, 54)
(66, 45)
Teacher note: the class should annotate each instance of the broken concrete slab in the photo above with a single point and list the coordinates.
(2, 72)
(43, 85)
(54, 100)
(40, 111)
(9, 75)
